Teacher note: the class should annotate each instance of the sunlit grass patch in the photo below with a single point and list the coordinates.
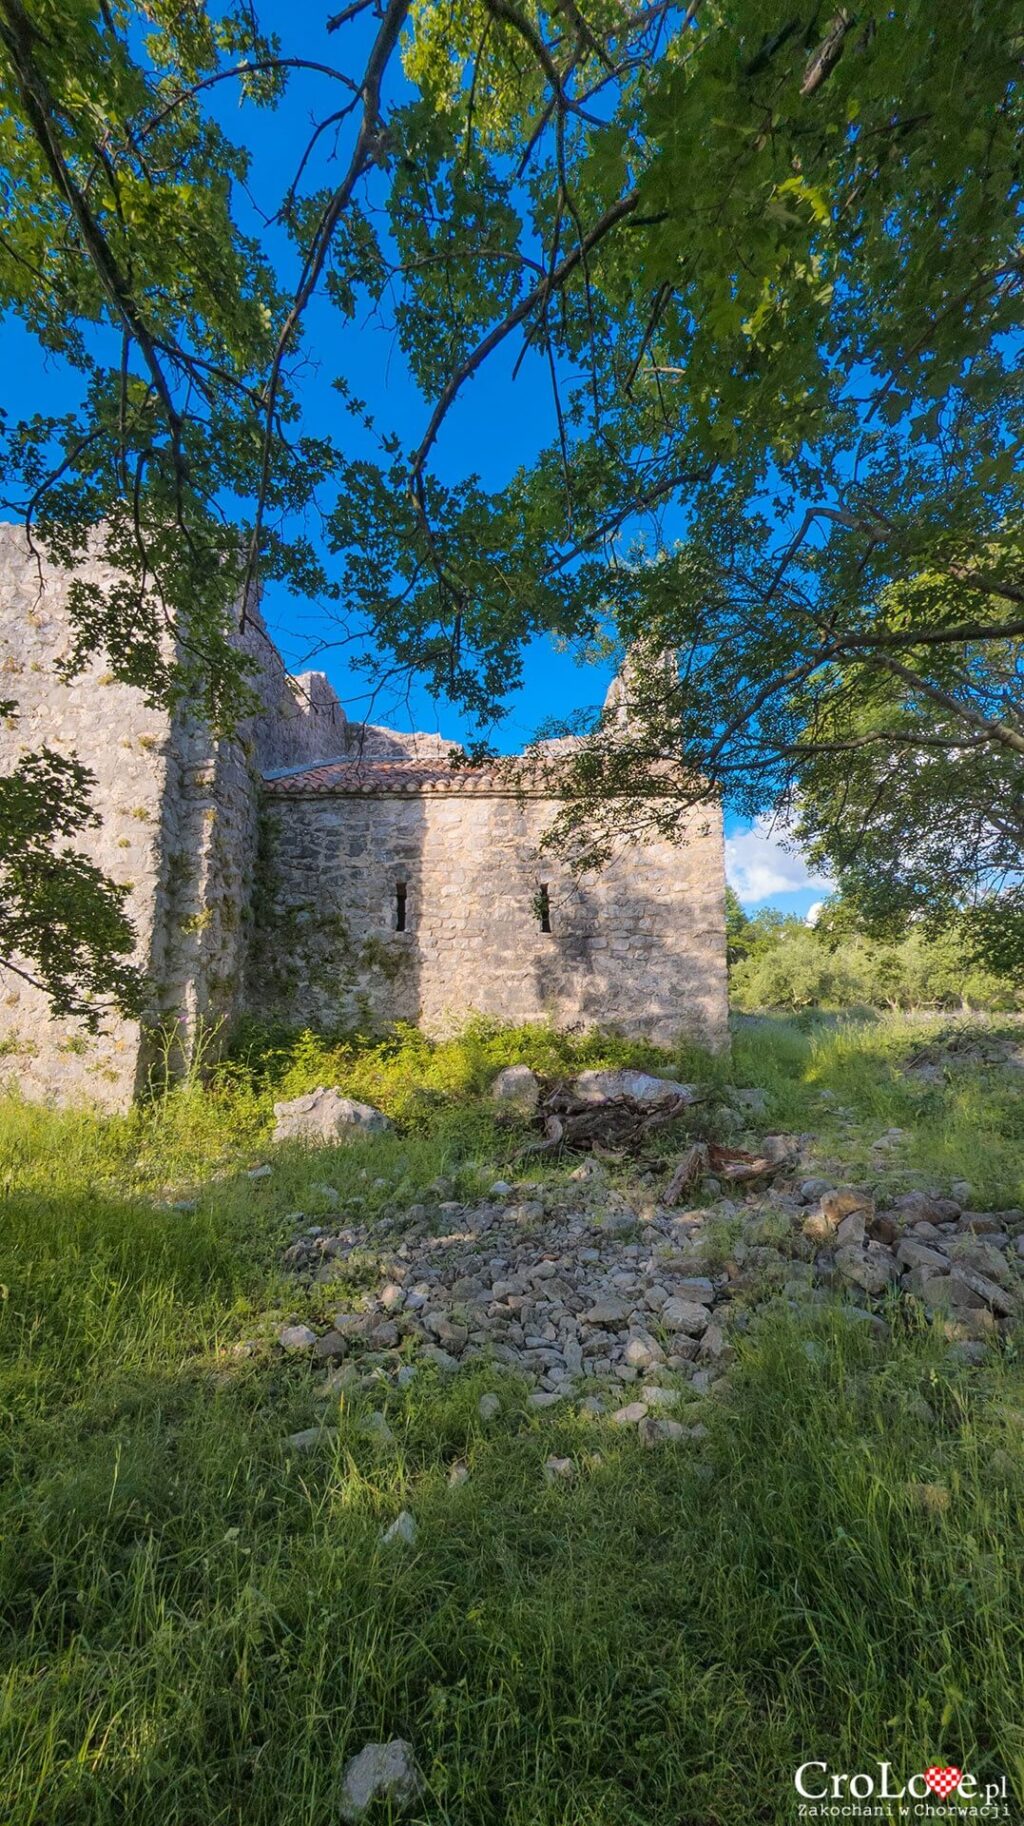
(199, 1623)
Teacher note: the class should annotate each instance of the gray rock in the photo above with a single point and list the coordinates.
(375, 1424)
(259, 1172)
(324, 1116)
(749, 1098)
(607, 1313)
(697, 1287)
(983, 1223)
(642, 1352)
(641, 1087)
(441, 1359)
(631, 1415)
(488, 1407)
(912, 1254)
(968, 1350)
(311, 1437)
(984, 1260)
(837, 1204)
(380, 1771)
(851, 1230)
(659, 1429)
(779, 1148)
(934, 1289)
(1000, 1299)
(330, 1348)
(402, 1532)
(518, 1087)
(687, 1316)
(927, 1207)
(871, 1268)
(296, 1338)
(559, 1468)
(819, 1228)
(812, 1189)
(713, 1345)
(618, 1223)
(656, 1397)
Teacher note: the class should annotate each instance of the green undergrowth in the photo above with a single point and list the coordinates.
(199, 1626)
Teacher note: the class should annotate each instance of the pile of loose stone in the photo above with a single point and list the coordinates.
(593, 1294)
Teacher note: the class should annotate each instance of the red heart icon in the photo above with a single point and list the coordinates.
(942, 1781)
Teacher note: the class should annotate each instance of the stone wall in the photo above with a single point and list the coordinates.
(179, 814)
(288, 904)
(640, 947)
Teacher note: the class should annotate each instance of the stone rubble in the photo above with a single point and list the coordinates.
(584, 1294)
(324, 1116)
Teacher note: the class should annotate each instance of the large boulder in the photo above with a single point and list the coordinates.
(605, 1086)
(325, 1116)
(518, 1087)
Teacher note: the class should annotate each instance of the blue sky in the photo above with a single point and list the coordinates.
(497, 425)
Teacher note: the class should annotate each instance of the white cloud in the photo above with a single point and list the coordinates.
(813, 913)
(763, 862)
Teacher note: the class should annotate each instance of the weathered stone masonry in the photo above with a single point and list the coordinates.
(273, 872)
(638, 946)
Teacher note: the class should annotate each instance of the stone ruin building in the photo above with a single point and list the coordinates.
(318, 872)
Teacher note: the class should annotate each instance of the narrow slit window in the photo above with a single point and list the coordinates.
(544, 907)
(400, 900)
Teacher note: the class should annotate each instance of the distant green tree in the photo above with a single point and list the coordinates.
(737, 925)
(835, 965)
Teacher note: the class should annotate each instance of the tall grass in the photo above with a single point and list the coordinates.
(199, 1626)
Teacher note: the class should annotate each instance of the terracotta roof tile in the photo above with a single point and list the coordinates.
(357, 777)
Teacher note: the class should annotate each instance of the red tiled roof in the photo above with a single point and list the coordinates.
(362, 777)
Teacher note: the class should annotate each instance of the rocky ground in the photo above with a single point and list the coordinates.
(598, 1294)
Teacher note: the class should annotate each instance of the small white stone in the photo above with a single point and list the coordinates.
(641, 1353)
(402, 1530)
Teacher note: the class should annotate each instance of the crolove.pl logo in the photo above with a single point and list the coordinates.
(941, 1792)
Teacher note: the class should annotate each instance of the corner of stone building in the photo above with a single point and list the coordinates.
(179, 813)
